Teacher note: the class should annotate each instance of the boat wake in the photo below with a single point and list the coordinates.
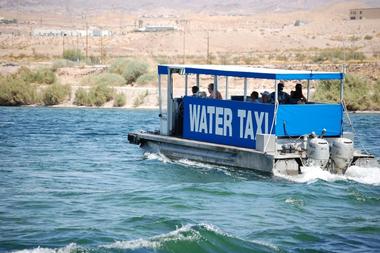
(195, 238)
(189, 163)
(358, 174)
(188, 238)
(72, 247)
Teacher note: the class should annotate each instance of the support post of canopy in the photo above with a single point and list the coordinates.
(186, 83)
(197, 77)
(215, 86)
(245, 88)
(276, 92)
(226, 87)
(169, 101)
(159, 93)
(341, 90)
(308, 90)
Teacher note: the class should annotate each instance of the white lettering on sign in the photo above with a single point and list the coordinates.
(246, 123)
(203, 123)
(211, 112)
(259, 121)
(227, 122)
(218, 121)
(194, 117)
(249, 127)
(241, 115)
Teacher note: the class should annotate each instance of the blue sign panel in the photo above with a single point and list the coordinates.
(226, 122)
(297, 120)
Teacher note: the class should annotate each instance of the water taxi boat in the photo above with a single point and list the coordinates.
(259, 136)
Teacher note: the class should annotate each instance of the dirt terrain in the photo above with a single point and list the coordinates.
(255, 35)
(264, 36)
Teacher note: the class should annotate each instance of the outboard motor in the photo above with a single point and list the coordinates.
(342, 152)
(317, 152)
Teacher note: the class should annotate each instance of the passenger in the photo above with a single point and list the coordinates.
(296, 97)
(283, 97)
(255, 97)
(195, 90)
(216, 95)
(202, 94)
(265, 97)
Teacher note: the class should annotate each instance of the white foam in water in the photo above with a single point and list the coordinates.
(156, 241)
(156, 156)
(206, 166)
(186, 162)
(67, 249)
(364, 175)
(313, 173)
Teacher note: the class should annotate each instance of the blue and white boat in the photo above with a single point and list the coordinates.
(259, 136)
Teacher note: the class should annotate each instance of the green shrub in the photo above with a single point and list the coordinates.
(119, 100)
(100, 94)
(300, 57)
(24, 74)
(109, 79)
(358, 93)
(55, 94)
(82, 98)
(62, 63)
(337, 54)
(368, 37)
(73, 54)
(130, 69)
(15, 91)
(134, 70)
(146, 78)
(96, 96)
(44, 76)
(40, 76)
(93, 60)
(118, 66)
(139, 100)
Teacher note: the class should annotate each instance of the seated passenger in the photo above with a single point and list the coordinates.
(202, 94)
(255, 97)
(195, 91)
(214, 94)
(296, 96)
(283, 97)
(265, 97)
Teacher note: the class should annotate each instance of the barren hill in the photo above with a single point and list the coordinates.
(230, 6)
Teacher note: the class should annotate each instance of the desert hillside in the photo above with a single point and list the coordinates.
(303, 34)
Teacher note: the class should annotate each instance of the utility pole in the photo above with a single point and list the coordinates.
(101, 48)
(208, 47)
(77, 47)
(86, 41)
(184, 43)
(63, 44)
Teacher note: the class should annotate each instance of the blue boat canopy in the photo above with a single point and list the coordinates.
(249, 72)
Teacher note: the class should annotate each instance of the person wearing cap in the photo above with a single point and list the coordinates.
(283, 97)
(265, 97)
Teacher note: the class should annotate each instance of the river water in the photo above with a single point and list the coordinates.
(71, 182)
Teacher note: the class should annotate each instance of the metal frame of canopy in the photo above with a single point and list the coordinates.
(236, 71)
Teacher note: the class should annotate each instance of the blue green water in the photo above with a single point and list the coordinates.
(71, 182)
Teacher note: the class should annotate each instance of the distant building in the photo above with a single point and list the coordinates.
(156, 28)
(91, 32)
(7, 21)
(367, 13)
